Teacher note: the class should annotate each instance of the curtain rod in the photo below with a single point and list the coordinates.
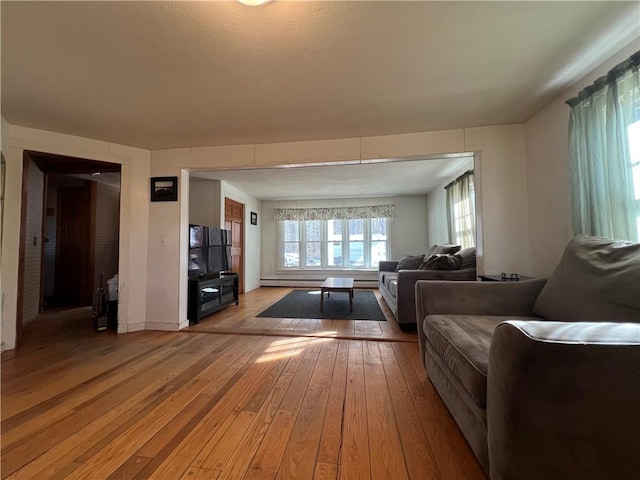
(468, 172)
(612, 75)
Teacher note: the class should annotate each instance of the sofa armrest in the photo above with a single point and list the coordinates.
(562, 400)
(406, 291)
(477, 298)
(387, 266)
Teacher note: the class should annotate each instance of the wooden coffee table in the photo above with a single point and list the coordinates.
(336, 284)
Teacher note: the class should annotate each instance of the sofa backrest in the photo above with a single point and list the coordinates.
(597, 280)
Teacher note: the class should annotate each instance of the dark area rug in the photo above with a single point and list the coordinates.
(306, 304)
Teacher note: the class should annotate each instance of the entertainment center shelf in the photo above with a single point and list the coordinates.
(210, 293)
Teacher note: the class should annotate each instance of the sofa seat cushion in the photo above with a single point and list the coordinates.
(393, 288)
(462, 343)
(390, 278)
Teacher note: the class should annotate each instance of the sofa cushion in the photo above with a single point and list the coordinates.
(441, 262)
(596, 280)
(392, 286)
(409, 262)
(462, 343)
(450, 249)
(467, 257)
(389, 278)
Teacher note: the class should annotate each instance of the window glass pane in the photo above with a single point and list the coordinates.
(356, 229)
(313, 254)
(291, 254)
(378, 252)
(334, 257)
(378, 229)
(291, 231)
(356, 254)
(334, 229)
(313, 230)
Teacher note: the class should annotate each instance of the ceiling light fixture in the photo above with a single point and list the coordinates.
(254, 3)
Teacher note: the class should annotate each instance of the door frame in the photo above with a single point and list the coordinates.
(241, 281)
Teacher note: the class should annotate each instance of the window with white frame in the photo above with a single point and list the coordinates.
(461, 213)
(355, 243)
(604, 148)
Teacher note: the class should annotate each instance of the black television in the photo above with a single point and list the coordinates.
(197, 236)
(215, 263)
(215, 236)
(197, 262)
(210, 250)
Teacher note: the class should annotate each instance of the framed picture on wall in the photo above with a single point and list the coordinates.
(164, 189)
(254, 218)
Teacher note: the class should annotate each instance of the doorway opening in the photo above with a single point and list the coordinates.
(69, 234)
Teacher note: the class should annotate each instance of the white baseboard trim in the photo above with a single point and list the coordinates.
(164, 327)
(133, 327)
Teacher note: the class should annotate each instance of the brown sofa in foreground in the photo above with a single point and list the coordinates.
(543, 377)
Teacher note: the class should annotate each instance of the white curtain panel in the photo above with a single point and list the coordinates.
(461, 211)
(601, 134)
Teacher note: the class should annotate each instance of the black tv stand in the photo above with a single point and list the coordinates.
(210, 293)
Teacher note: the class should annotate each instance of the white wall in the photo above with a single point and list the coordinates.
(548, 172)
(204, 202)
(133, 218)
(107, 232)
(437, 224)
(501, 200)
(409, 235)
(33, 244)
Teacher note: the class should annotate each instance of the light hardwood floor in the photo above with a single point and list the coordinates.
(200, 405)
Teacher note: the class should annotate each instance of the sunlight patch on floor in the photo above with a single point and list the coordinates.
(287, 348)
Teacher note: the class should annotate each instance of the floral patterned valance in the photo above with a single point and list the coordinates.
(335, 213)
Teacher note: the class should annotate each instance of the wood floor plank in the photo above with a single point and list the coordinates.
(267, 458)
(332, 430)
(384, 437)
(200, 474)
(325, 471)
(299, 457)
(437, 422)
(354, 458)
(417, 452)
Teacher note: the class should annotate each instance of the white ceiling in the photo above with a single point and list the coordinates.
(417, 177)
(172, 74)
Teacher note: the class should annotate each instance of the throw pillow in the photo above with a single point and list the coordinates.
(596, 281)
(409, 262)
(467, 257)
(448, 249)
(431, 251)
(441, 262)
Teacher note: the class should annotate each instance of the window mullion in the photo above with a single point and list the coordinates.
(303, 244)
(367, 243)
(324, 251)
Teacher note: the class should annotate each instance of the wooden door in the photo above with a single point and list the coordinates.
(75, 239)
(234, 221)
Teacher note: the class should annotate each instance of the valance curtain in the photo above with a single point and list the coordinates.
(603, 199)
(334, 213)
(461, 211)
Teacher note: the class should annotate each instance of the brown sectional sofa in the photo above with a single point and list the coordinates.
(543, 376)
(398, 287)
